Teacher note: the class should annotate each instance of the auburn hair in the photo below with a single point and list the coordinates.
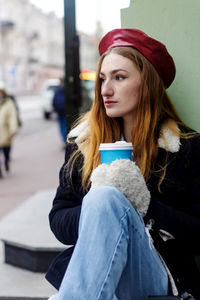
(154, 109)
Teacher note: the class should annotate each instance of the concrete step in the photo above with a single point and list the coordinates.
(27, 238)
(26, 242)
(21, 298)
(17, 283)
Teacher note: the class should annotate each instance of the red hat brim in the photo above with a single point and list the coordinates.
(154, 51)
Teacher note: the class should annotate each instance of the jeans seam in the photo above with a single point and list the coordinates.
(122, 233)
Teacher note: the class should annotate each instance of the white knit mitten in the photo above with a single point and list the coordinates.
(127, 178)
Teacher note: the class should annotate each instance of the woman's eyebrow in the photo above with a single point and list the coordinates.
(114, 71)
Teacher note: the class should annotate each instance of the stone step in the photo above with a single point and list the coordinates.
(20, 284)
(27, 258)
(21, 298)
(27, 247)
(26, 235)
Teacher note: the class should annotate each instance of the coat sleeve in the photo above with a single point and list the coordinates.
(12, 120)
(65, 213)
(183, 219)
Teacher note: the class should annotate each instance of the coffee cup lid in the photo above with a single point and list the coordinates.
(119, 145)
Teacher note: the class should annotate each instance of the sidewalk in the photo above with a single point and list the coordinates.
(36, 160)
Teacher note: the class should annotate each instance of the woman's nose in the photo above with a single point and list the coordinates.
(106, 89)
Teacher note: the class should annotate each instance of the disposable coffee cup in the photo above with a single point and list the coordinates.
(118, 150)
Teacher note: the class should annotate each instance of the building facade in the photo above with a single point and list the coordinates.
(32, 46)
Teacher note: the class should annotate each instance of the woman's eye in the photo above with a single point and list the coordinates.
(120, 77)
(102, 79)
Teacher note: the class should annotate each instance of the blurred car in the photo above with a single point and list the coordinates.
(47, 92)
(87, 90)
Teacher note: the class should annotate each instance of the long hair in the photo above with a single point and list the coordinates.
(154, 109)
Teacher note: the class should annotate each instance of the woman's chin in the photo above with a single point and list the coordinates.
(113, 114)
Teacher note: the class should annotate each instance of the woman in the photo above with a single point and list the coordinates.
(114, 257)
(8, 126)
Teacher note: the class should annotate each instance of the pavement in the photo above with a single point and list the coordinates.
(28, 224)
(26, 195)
(37, 156)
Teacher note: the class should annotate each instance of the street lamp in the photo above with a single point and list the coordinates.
(72, 69)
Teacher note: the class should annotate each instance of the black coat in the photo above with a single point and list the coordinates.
(175, 209)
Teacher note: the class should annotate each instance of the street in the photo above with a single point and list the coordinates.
(37, 156)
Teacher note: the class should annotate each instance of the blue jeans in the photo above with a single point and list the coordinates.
(114, 257)
(62, 127)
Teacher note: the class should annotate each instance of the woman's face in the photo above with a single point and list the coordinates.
(120, 86)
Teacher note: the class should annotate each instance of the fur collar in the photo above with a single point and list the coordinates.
(80, 132)
(167, 140)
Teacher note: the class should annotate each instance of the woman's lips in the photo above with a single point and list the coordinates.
(109, 102)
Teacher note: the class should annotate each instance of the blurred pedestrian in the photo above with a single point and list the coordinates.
(59, 105)
(13, 98)
(8, 127)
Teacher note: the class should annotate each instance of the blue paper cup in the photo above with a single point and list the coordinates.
(118, 150)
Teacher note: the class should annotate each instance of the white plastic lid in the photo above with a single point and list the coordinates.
(119, 145)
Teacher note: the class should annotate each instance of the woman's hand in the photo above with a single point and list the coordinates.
(127, 178)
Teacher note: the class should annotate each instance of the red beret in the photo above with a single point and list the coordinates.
(152, 49)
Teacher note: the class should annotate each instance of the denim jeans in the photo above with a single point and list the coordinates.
(114, 257)
(62, 127)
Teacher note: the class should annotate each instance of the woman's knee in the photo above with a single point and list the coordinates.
(105, 198)
(108, 204)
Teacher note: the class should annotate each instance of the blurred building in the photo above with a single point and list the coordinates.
(32, 46)
(88, 53)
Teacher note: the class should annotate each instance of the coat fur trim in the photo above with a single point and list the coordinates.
(80, 132)
(167, 140)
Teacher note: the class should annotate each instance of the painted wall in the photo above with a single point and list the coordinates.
(176, 23)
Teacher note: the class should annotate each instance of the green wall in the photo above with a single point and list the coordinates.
(176, 23)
